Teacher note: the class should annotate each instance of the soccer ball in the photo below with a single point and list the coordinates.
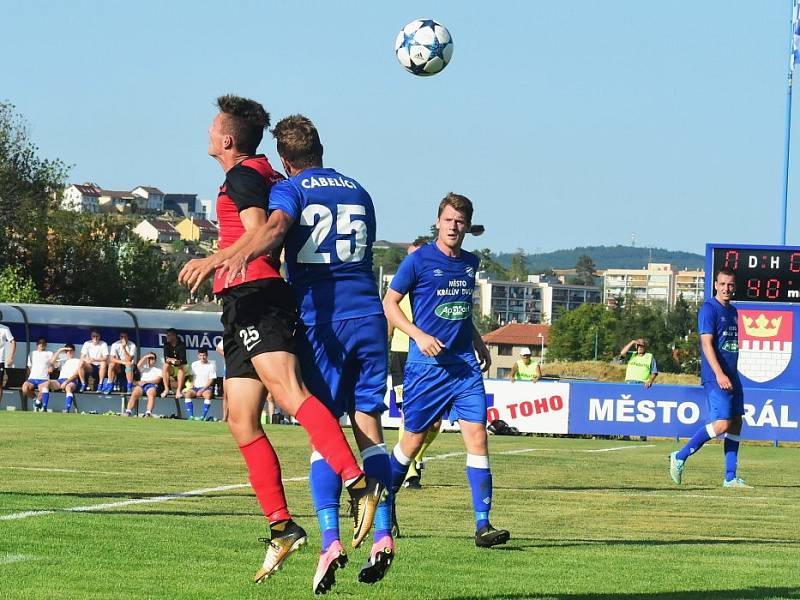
(424, 47)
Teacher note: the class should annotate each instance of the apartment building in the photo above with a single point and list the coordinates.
(658, 283)
(540, 299)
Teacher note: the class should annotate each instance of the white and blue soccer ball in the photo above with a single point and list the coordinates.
(424, 47)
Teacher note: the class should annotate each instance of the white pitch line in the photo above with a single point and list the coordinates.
(443, 456)
(14, 558)
(621, 448)
(524, 450)
(53, 470)
(133, 501)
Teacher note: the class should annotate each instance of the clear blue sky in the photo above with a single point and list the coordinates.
(567, 123)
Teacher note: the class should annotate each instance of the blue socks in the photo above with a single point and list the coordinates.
(700, 437)
(189, 407)
(45, 400)
(377, 465)
(731, 447)
(399, 464)
(480, 484)
(206, 407)
(326, 488)
(68, 402)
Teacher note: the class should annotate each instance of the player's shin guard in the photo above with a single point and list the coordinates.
(700, 437)
(327, 438)
(731, 446)
(265, 477)
(326, 488)
(377, 465)
(480, 484)
(399, 463)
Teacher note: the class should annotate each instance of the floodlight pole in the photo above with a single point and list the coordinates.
(788, 132)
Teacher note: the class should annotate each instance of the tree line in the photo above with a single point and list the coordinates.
(61, 257)
(594, 332)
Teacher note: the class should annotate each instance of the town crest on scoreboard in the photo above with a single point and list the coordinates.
(765, 343)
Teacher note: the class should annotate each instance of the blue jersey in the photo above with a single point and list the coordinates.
(441, 290)
(329, 246)
(722, 322)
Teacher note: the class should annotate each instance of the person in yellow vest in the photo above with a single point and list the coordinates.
(526, 369)
(641, 363)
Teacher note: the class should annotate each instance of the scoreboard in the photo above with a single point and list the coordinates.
(763, 274)
(767, 297)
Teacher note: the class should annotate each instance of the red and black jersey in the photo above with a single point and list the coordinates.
(246, 185)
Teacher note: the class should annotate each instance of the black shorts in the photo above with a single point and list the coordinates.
(257, 317)
(397, 366)
(2, 373)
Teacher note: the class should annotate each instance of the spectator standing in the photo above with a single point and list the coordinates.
(175, 366)
(39, 362)
(526, 369)
(6, 337)
(149, 379)
(94, 362)
(68, 375)
(122, 356)
(642, 366)
(204, 374)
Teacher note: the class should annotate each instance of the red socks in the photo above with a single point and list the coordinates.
(327, 438)
(265, 477)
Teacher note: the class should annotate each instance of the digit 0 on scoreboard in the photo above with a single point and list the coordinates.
(762, 273)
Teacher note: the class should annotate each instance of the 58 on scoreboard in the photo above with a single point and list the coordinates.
(763, 273)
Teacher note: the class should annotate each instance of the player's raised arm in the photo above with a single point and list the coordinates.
(197, 270)
(427, 344)
(264, 238)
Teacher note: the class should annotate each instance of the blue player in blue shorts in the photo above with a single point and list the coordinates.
(442, 373)
(326, 222)
(718, 326)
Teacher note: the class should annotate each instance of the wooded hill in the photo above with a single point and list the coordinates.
(606, 257)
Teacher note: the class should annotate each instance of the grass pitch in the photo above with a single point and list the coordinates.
(586, 523)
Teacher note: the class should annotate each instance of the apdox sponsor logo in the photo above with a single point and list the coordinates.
(453, 311)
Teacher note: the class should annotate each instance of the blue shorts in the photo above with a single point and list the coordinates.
(345, 363)
(430, 391)
(200, 390)
(148, 386)
(63, 379)
(36, 382)
(723, 404)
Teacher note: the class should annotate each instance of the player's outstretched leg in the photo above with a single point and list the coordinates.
(731, 449)
(377, 465)
(479, 476)
(326, 488)
(677, 459)
(265, 476)
(279, 372)
(328, 439)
